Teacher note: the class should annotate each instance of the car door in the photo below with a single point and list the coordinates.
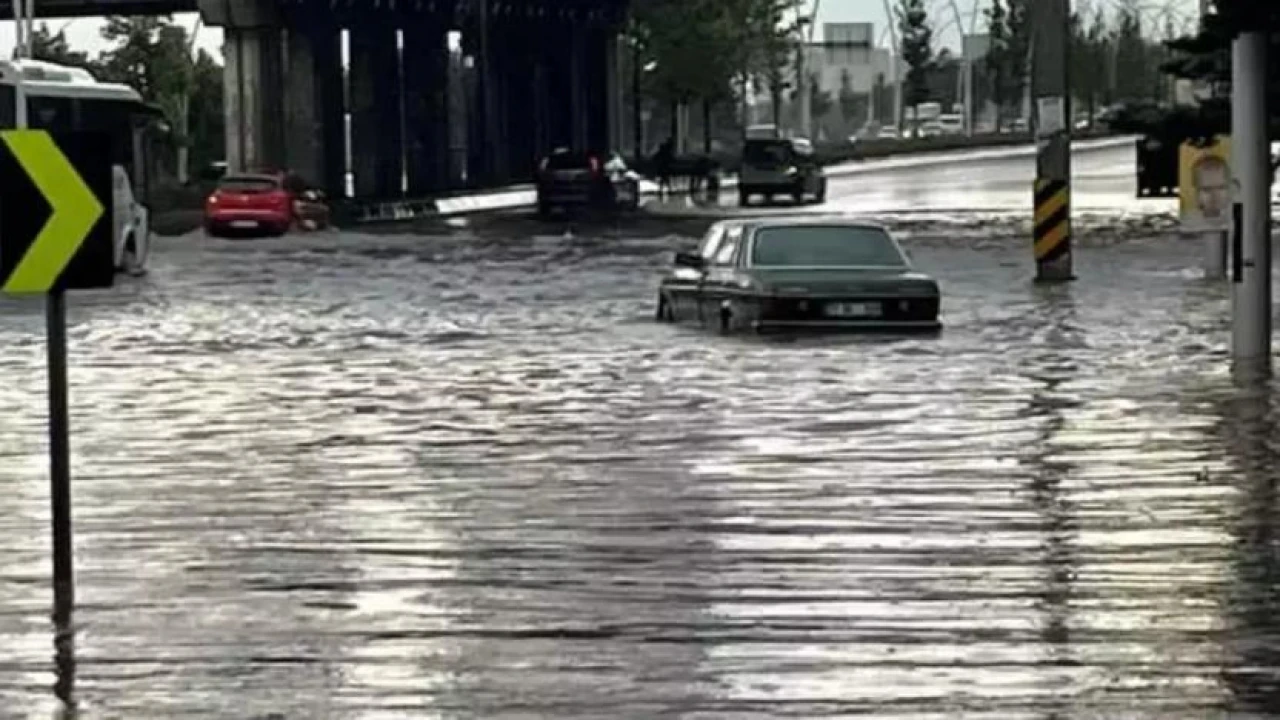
(719, 278)
(681, 286)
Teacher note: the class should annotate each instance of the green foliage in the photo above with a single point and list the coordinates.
(153, 56)
(1008, 60)
(54, 48)
(704, 49)
(917, 49)
(1205, 58)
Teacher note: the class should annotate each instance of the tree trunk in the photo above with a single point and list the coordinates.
(706, 126)
(184, 139)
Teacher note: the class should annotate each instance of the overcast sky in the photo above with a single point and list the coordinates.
(84, 33)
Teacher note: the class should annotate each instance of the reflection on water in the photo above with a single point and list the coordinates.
(1252, 658)
(359, 477)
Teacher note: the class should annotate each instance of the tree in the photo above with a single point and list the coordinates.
(1205, 58)
(850, 102)
(54, 48)
(996, 62)
(917, 50)
(713, 49)
(154, 56)
(1018, 58)
(820, 101)
(1132, 81)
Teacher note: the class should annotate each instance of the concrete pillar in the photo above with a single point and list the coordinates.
(578, 92)
(253, 85)
(313, 106)
(426, 106)
(613, 74)
(597, 50)
(376, 149)
(1251, 153)
(519, 120)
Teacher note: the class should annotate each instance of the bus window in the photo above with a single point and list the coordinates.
(54, 114)
(7, 118)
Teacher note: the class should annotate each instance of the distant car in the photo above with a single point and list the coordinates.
(249, 203)
(780, 166)
(779, 274)
(570, 180)
(264, 203)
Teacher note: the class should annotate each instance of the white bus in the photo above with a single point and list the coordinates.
(61, 98)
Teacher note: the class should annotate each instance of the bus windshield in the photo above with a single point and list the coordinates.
(114, 111)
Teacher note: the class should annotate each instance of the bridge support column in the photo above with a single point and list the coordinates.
(426, 106)
(315, 142)
(520, 116)
(253, 83)
(579, 95)
(376, 150)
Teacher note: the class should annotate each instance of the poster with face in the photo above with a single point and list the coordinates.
(1205, 186)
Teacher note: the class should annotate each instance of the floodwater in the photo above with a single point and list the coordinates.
(374, 477)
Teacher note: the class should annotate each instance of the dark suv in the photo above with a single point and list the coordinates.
(780, 166)
(572, 180)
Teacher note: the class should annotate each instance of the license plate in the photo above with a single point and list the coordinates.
(853, 310)
(244, 224)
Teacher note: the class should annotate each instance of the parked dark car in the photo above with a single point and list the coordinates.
(762, 274)
(780, 166)
(569, 180)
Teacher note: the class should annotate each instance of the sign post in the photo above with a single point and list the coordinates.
(1052, 213)
(47, 252)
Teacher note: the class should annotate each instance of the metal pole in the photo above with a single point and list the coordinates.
(59, 433)
(60, 458)
(1251, 274)
(1052, 114)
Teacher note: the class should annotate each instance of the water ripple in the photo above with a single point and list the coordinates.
(366, 477)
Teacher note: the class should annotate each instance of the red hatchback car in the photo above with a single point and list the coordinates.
(249, 203)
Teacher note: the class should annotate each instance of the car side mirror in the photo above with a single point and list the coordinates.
(689, 260)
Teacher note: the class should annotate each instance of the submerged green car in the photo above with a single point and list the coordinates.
(760, 274)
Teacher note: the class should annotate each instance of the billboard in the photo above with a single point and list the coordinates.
(1205, 185)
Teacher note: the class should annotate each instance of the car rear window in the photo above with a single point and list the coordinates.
(767, 152)
(568, 161)
(825, 246)
(248, 184)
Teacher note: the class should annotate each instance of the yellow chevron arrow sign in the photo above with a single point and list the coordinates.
(75, 211)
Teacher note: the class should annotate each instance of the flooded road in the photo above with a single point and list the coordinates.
(373, 477)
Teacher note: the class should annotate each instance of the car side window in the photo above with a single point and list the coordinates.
(728, 251)
(711, 243)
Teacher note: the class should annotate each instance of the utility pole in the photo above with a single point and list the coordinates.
(1251, 161)
(1050, 77)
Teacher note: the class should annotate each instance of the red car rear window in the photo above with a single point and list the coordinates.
(248, 185)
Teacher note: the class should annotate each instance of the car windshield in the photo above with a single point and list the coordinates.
(248, 184)
(775, 152)
(825, 246)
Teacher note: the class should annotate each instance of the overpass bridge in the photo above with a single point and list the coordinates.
(529, 75)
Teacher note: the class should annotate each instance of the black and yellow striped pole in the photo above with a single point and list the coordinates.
(1053, 120)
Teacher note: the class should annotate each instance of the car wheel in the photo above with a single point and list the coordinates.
(544, 210)
(798, 194)
(744, 198)
(821, 197)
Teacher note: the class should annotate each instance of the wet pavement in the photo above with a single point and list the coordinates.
(356, 476)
